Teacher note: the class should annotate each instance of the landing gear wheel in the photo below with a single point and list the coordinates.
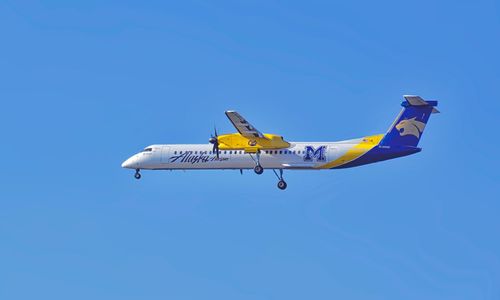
(137, 175)
(258, 169)
(281, 184)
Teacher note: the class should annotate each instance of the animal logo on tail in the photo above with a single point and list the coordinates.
(410, 126)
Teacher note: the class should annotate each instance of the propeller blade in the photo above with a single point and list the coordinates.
(215, 141)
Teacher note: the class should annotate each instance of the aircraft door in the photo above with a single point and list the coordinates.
(165, 155)
(332, 153)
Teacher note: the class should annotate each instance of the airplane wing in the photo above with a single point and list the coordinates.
(244, 128)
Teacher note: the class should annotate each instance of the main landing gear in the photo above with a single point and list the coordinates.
(258, 168)
(281, 183)
(137, 175)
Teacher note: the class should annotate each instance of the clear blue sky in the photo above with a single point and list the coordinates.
(84, 85)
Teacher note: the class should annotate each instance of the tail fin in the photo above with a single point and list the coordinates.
(408, 127)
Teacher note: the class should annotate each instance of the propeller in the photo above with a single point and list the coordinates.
(215, 141)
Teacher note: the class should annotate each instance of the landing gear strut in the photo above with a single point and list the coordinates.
(258, 168)
(137, 175)
(281, 183)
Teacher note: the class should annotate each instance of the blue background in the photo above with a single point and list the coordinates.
(84, 85)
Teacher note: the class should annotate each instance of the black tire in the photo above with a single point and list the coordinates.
(137, 175)
(258, 169)
(282, 185)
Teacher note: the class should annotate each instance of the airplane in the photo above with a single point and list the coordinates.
(249, 148)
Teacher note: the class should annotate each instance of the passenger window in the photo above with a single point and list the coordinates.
(175, 152)
(281, 152)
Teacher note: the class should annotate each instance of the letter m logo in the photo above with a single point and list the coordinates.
(318, 154)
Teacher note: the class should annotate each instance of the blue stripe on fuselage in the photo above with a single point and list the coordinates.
(379, 153)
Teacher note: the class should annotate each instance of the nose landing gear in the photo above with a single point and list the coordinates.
(281, 183)
(137, 175)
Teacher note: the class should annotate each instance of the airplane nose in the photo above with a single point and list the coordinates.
(129, 163)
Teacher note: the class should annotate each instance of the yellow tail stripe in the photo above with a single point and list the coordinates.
(358, 150)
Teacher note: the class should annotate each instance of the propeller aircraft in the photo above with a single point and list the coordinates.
(248, 148)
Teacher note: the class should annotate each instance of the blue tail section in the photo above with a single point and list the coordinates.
(404, 134)
(408, 127)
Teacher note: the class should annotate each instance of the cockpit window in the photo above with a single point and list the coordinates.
(147, 150)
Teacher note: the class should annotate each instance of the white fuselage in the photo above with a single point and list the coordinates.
(400, 140)
(200, 156)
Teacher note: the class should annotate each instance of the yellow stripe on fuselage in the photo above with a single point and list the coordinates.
(366, 144)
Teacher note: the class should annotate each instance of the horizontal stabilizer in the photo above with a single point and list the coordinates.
(413, 100)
